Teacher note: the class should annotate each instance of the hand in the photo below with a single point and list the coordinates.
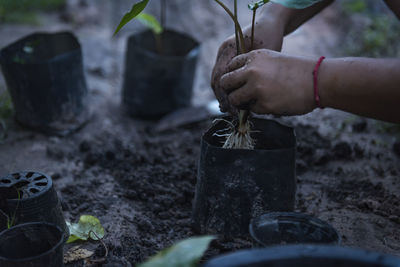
(269, 32)
(270, 82)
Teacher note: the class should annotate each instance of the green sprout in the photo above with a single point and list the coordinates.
(256, 5)
(148, 20)
(11, 220)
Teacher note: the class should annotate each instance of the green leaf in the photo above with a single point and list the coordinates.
(84, 228)
(257, 4)
(136, 10)
(150, 22)
(185, 253)
(299, 4)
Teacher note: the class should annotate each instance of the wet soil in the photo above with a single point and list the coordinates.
(141, 188)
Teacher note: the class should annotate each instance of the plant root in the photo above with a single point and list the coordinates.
(236, 137)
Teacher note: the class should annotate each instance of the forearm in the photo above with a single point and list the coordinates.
(364, 86)
(288, 18)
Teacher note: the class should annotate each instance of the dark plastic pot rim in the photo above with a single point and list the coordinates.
(55, 247)
(49, 185)
(39, 62)
(151, 54)
(301, 251)
(228, 150)
(54, 58)
(297, 214)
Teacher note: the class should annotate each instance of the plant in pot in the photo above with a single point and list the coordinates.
(29, 197)
(246, 167)
(159, 66)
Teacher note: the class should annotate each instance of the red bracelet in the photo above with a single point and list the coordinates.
(315, 75)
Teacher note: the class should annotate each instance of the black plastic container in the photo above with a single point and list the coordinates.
(277, 228)
(236, 185)
(304, 256)
(44, 75)
(30, 197)
(32, 244)
(157, 83)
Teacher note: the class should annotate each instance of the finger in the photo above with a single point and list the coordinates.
(238, 62)
(219, 69)
(223, 100)
(233, 80)
(241, 97)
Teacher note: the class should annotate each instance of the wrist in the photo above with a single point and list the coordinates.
(276, 15)
(325, 82)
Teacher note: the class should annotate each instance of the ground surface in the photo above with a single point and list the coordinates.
(140, 183)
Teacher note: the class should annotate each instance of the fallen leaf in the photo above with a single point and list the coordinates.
(87, 227)
(76, 253)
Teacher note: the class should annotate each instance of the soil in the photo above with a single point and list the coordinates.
(140, 182)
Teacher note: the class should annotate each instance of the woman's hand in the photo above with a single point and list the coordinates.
(269, 32)
(269, 82)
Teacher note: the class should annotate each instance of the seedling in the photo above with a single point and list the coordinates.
(239, 136)
(146, 19)
(11, 219)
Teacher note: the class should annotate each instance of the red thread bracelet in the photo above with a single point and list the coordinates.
(315, 75)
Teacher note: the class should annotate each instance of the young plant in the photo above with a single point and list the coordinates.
(239, 136)
(148, 20)
(11, 220)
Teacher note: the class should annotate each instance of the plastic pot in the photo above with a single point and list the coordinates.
(291, 228)
(236, 185)
(30, 197)
(44, 75)
(35, 244)
(305, 256)
(156, 83)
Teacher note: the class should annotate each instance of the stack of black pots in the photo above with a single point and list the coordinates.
(31, 220)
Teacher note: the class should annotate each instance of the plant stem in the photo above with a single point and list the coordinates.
(158, 39)
(253, 24)
(236, 30)
(239, 28)
(244, 114)
(163, 15)
(11, 222)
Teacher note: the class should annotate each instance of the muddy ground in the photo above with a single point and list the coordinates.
(140, 182)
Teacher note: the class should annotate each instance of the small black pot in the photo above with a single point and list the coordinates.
(156, 84)
(236, 185)
(30, 197)
(304, 256)
(35, 244)
(291, 228)
(44, 75)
